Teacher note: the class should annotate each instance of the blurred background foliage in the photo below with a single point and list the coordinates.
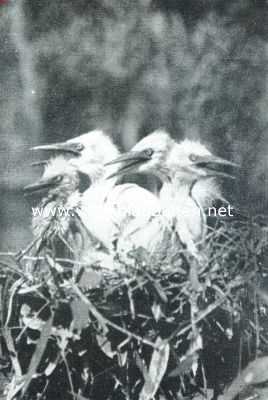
(195, 67)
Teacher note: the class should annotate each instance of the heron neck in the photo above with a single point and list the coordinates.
(61, 199)
(96, 173)
(203, 191)
(176, 197)
(99, 173)
(174, 193)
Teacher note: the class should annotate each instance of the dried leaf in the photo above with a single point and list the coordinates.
(89, 279)
(80, 315)
(161, 293)
(50, 368)
(189, 362)
(79, 397)
(141, 365)
(63, 336)
(185, 366)
(36, 358)
(105, 346)
(30, 319)
(156, 371)
(28, 289)
(157, 312)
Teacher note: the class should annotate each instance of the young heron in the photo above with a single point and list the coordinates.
(54, 219)
(105, 208)
(187, 171)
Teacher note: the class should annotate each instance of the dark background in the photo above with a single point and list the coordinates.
(197, 68)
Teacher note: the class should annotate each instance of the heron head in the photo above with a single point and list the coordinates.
(94, 146)
(69, 148)
(60, 179)
(148, 156)
(191, 159)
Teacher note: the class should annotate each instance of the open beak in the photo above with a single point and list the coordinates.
(38, 186)
(41, 163)
(216, 166)
(61, 147)
(129, 162)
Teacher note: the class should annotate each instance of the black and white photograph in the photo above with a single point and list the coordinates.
(134, 200)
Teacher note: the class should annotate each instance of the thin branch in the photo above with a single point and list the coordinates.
(104, 321)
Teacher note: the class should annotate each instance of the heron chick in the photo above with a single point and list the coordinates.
(187, 171)
(105, 208)
(91, 146)
(59, 188)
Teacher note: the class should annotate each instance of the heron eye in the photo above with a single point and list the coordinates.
(149, 152)
(58, 178)
(79, 147)
(193, 157)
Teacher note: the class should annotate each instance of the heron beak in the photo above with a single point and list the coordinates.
(38, 186)
(61, 147)
(39, 163)
(216, 166)
(130, 162)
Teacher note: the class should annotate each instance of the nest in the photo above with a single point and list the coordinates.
(138, 331)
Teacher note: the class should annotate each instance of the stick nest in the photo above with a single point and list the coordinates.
(143, 331)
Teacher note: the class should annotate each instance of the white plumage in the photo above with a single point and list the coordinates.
(53, 220)
(91, 146)
(113, 214)
(187, 173)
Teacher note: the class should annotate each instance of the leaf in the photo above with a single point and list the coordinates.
(157, 312)
(50, 368)
(161, 293)
(89, 280)
(156, 371)
(80, 315)
(79, 397)
(189, 361)
(141, 365)
(185, 366)
(17, 381)
(105, 346)
(63, 336)
(14, 387)
(30, 319)
(37, 356)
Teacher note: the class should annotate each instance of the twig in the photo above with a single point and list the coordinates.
(22, 253)
(64, 241)
(14, 288)
(68, 374)
(12, 352)
(104, 321)
(204, 314)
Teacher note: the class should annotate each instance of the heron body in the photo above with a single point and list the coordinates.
(119, 214)
(137, 217)
(114, 212)
(183, 212)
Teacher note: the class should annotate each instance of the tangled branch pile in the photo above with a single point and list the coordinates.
(139, 331)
